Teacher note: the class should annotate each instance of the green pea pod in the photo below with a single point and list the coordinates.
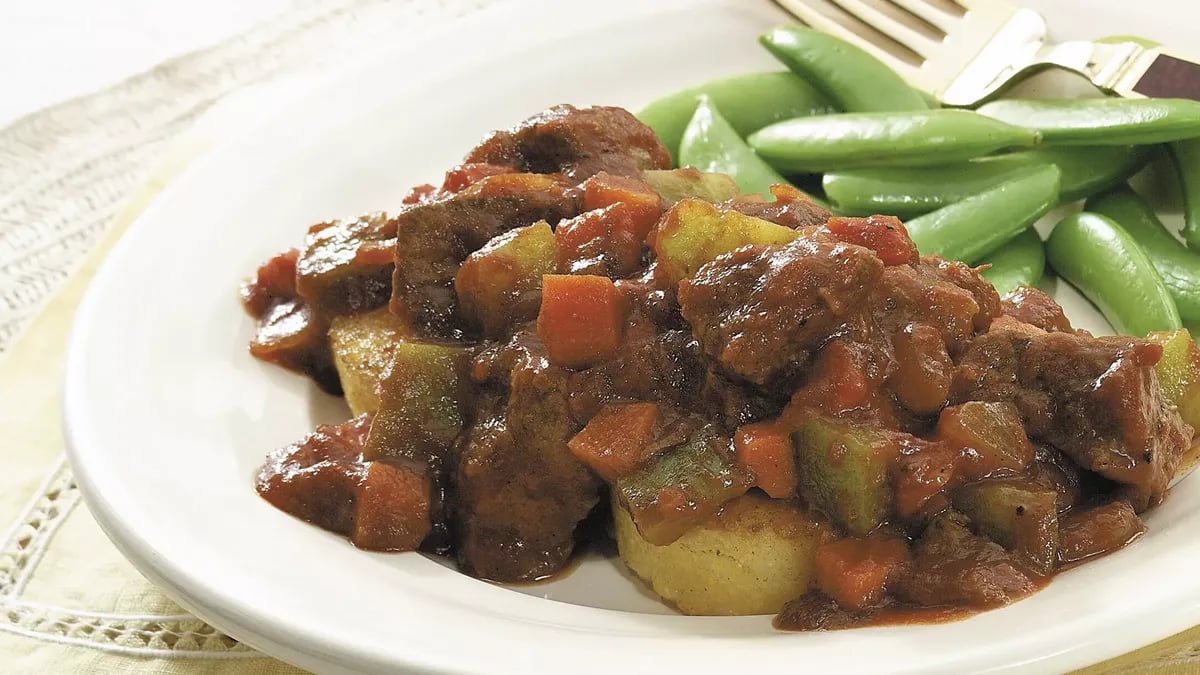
(748, 102)
(1108, 266)
(853, 79)
(1186, 156)
(929, 137)
(908, 192)
(976, 226)
(1178, 267)
(1020, 262)
(710, 144)
(1102, 121)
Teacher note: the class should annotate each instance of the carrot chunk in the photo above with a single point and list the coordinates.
(854, 572)
(581, 320)
(393, 509)
(885, 235)
(617, 439)
(766, 453)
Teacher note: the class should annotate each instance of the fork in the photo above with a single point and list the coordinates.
(966, 51)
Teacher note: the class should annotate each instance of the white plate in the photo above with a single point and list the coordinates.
(168, 417)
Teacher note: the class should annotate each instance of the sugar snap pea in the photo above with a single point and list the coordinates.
(910, 191)
(971, 229)
(1109, 266)
(710, 144)
(923, 138)
(853, 79)
(748, 102)
(1178, 267)
(1020, 262)
(1186, 156)
(1102, 121)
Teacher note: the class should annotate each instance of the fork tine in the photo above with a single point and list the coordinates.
(925, 10)
(815, 19)
(903, 34)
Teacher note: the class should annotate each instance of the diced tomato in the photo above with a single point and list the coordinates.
(608, 240)
(885, 235)
(838, 383)
(855, 572)
(605, 189)
(617, 439)
(274, 280)
(465, 175)
(393, 509)
(923, 471)
(582, 319)
(766, 452)
(421, 193)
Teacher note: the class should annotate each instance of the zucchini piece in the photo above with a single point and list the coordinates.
(675, 185)
(346, 266)
(843, 471)
(422, 399)
(1179, 372)
(686, 485)
(693, 232)
(499, 285)
(363, 346)
(1018, 514)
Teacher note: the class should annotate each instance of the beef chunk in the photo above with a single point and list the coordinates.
(1095, 399)
(761, 311)
(576, 142)
(953, 566)
(1031, 306)
(521, 493)
(324, 480)
(947, 296)
(434, 238)
(1089, 533)
(791, 208)
(346, 266)
(289, 332)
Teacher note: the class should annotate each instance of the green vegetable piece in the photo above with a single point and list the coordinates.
(1186, 156)
(853, 79)
(843, 471)
(930, 137)
(1018, 514)
(1020, 262)
(1102, 121)
(499, 285)
(908, 192)
(1109, 266)
(993, 432)
(711, 144)
(421, 401)
(693, 232)
(1179, 372)
(674, 185)
(686, 485)
(748, 102)
(976, 226)
(1178, 267)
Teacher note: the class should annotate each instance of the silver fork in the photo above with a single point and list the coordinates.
(965, 51)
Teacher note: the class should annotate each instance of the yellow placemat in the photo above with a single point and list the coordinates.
(69, 603)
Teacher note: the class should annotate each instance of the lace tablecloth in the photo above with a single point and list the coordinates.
(71, 178)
